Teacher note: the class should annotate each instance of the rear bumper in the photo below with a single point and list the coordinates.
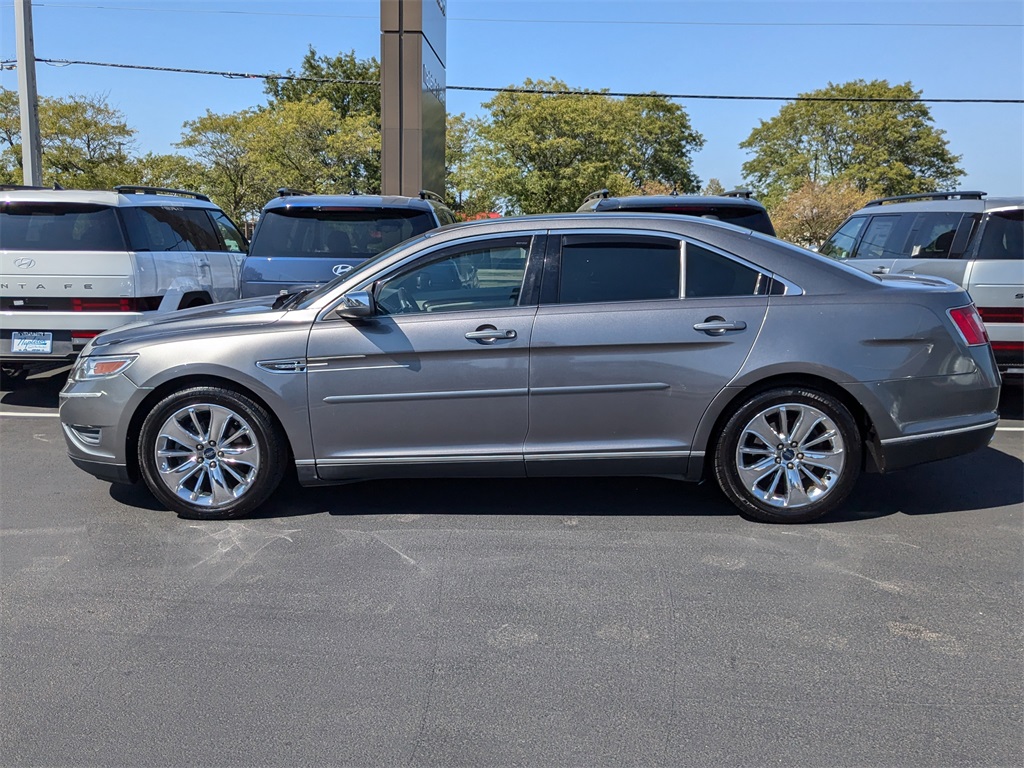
(70, 332)
(899, 452)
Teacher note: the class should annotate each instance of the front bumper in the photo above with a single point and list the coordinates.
(94, 417)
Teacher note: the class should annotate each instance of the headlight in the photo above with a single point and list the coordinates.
(101, 366)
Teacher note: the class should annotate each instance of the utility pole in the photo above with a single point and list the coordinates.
(31, 146)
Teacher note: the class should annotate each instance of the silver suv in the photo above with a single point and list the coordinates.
(966, 237)
(74, 263)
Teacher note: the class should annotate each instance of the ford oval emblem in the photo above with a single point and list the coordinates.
(341, 269)
(24, 263)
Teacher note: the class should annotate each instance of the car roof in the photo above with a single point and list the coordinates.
(124, 197)
(300, 200)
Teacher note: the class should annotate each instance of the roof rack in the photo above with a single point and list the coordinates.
(928, 196)
(133, 189)
(289, 192)
(426, 194)
(601, 193)
(746, 194)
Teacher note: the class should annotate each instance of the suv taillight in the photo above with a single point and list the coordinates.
(1002, 314)
(970, 324)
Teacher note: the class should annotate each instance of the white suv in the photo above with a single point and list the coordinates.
(74, 263)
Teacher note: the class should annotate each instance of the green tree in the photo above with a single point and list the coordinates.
(546, 152)
(891, 147)
(86, 143)
(351, 88)
(234, 176)
(713, 187)
(465, 185)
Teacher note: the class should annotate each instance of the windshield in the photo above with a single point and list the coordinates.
(59, 227)
(356, 233)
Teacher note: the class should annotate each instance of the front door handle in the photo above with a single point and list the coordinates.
(491, 335)
(716, 327)
(880, 271)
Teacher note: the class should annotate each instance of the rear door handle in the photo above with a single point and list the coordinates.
(718, 327)
(880, 271)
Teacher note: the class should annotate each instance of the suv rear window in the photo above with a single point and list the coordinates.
(344, 232)
(169, 228)
(59, 227)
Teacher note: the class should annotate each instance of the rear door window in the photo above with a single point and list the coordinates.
(234, 241)
(931, 235)
(170, 228)
(603, 268)
(59, 227)
(348, 232)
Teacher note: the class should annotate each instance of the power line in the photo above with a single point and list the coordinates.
(10, 64)
(617, 22)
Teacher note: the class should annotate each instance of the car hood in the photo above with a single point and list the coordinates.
(225, 317)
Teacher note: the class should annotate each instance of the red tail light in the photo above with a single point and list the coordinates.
(970, 325)
(83, 335)
(1002, 314)
(103, 305)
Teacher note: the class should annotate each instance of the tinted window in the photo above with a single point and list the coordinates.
(711, 274)
(234, 240)
(170, 228)
(348, 232)
(931, 235)
(840, 245)
(619, 269)
(883, 238)
(1003, 236)
(484, 277)
(59, 227)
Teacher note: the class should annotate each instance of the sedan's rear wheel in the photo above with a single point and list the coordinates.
(211, 453)
(788, 455)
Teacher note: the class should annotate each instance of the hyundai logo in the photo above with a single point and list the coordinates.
(339, 269)
(24, 263)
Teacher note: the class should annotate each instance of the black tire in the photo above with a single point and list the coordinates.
(786, 481)
(211, 453)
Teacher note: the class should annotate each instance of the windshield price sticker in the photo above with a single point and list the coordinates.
(32, 342)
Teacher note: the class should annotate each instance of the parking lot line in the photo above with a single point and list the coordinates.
(29, 415)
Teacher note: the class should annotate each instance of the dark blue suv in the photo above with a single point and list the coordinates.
(303, 239)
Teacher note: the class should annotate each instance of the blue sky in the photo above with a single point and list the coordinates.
(946, 48)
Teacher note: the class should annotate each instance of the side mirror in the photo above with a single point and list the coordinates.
(355, 305)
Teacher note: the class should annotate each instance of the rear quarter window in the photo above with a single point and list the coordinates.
(1003, 236)
(59, 227)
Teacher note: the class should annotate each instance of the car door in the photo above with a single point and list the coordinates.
(632, 342)
(436, 381)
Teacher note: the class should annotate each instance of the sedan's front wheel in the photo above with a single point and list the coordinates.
(210, 453)
(788, 455)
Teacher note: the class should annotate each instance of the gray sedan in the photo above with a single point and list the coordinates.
(624, 344)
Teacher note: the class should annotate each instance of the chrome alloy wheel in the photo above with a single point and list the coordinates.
(207, 455)
(790, 455)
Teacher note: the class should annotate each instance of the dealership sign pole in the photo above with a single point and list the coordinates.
(31, 147)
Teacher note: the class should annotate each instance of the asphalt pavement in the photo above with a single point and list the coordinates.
(596, 622)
